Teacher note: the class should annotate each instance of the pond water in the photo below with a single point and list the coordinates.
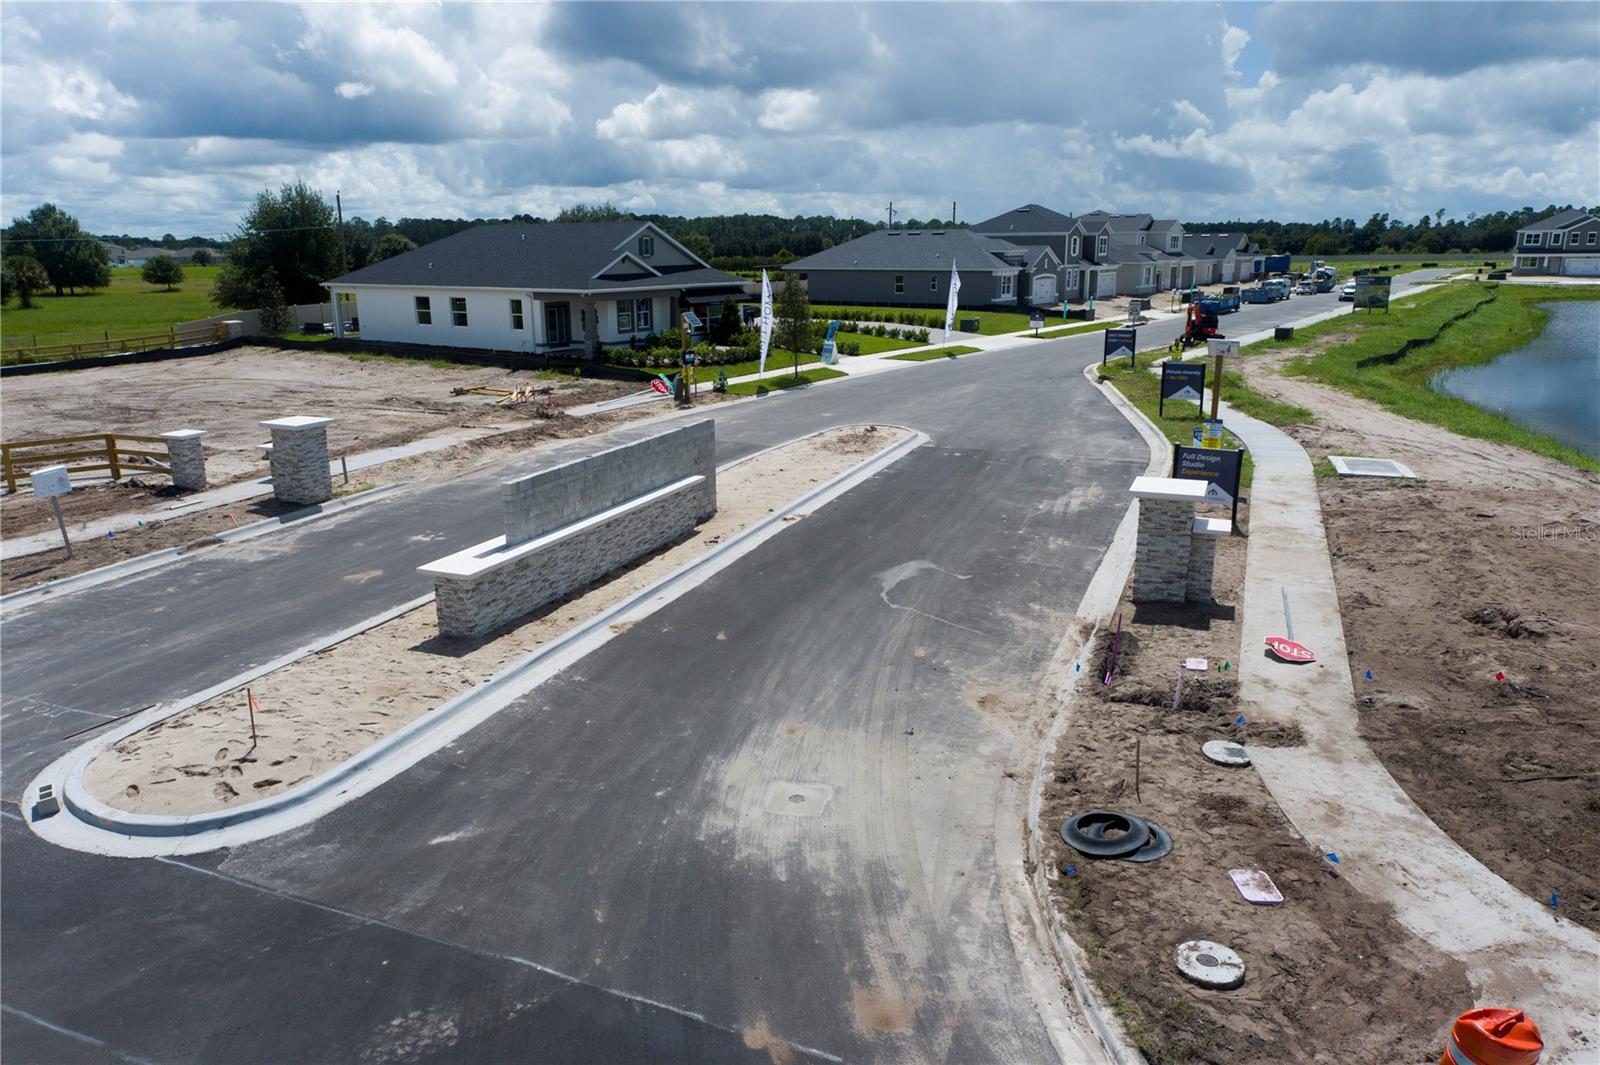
(1551, 386)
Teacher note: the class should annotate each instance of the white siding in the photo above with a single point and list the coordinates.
(389, 314)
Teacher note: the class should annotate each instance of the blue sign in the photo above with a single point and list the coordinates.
(829, 351)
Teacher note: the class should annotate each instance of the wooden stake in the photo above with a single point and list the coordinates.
(250, 704)
(1136, 760)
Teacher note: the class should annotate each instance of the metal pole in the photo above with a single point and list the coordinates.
(344, 465)
(55, 502)
(343, 269)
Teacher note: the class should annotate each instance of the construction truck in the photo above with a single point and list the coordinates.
(1199, 326)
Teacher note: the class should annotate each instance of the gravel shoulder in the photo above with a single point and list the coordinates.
(322, 709)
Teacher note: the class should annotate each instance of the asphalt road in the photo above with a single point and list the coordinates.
(776, 845)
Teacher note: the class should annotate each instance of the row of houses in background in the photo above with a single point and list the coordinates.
(559, 286)
(1029, 256)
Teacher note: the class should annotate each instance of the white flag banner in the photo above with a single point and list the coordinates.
(766, 322)
(950, 303)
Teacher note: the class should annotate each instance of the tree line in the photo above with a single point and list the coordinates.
(1383, 235)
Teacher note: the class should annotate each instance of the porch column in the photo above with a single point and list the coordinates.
(536, 308)
(591, 326)
(338, 316)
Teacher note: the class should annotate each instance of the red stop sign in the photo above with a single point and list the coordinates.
(658, 385)
(1290, 651)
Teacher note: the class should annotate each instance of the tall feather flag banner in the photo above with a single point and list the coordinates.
(950, 303)
(766, 322)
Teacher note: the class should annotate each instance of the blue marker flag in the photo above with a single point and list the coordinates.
(1555, 903)
(1369, 674)
(1239, 720)
(1334, 858)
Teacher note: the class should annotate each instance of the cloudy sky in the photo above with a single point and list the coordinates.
(151, 118)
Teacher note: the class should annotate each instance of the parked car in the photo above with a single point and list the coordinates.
(1347, 294)
(1278, 286)
(1306, 288)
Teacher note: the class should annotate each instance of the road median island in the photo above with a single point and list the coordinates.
(326, 708)
(1326, 952)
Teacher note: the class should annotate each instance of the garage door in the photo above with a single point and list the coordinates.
(1587, 266)
(1105, 284)
(1044, 288)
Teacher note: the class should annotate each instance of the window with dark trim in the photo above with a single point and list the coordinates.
(1555, 240)
(647, 246)
(899, 283)
(458, 310)
(424, 311)
(933, 282)
(1075, 246)
(1591, 237)
(516, 315)
(634, 316)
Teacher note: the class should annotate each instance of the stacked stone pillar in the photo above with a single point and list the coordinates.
(300, 459)
(187, 457)
(1176, 551)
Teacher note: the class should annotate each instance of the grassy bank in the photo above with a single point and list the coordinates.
(1508, 322)
(782, 381)
(128, 308)
(936, 353)
(1074, 330)
(1181, 418)
(990, 323)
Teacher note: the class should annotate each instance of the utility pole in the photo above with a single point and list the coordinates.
(339, 206)
(952, 213)
(891, 214)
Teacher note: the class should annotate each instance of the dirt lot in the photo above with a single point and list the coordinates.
(1484, 566)
(378, 403)
(323, 709)
(1329, 974)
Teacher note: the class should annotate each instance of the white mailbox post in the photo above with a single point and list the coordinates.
(51, 483)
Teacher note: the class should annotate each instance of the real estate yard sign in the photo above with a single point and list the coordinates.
(1372, 292)
(1221, 470)
(1181, 380)
(829, 350)
(1120, 343)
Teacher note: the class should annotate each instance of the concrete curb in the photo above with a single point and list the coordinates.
(104, 829)
(1099, 598)
(128, 567)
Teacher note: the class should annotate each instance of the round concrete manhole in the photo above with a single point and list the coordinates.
(1211, 965)
(1225, 752)
(797, 797)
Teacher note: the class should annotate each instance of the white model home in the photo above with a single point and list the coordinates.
(1567, 244)
(539, 287)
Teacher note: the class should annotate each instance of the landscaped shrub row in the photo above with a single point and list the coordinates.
(931, 320)
(881, 330)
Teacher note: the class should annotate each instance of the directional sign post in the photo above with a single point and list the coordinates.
(1220, 349)
(1037, 321)
(51, 483)
(1120, 343)
(1181, 380)
(1221, 470)
(1372, 292)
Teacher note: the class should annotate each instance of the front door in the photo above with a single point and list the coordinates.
(558, 324)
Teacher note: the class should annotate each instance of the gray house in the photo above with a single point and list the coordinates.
(535, 288)
(1080, 247)
(1222, 258)
(1566, 244)
(911, 267)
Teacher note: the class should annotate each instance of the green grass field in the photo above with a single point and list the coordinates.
(991, 323)
(1506, 324)
(128, 308)
(1405, 264)
(871, 345)
(1081, 327)
(781, 381)
(936, 353)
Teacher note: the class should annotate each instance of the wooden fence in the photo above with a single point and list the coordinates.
(172, 338)
(20, 457)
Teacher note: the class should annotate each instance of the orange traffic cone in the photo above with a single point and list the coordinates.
(1493, 1037)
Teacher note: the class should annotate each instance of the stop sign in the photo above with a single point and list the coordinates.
(660, 386)
(1290, 651)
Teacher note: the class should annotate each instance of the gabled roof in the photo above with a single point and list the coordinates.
(1029, 218)
(1125, 248)
(1562, 219)
(554, 256)
(1045, 259)
(1119, 223)
(916, 249)
(1213, 245)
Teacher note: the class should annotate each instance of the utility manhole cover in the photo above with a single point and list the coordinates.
(1211, 965)
(1355, 466)
(798, 800)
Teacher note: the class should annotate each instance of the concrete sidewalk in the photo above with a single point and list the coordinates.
(238, 492)
(1518, 953)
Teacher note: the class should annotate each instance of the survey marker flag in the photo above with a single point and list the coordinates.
(766, 322)
(950, 303)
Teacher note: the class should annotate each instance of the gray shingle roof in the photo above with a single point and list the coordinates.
(1125, 248)
(1119, 223)
(1212, 245)
(914, 249)
(1561, 219)
(1029, 218)
(558, 256)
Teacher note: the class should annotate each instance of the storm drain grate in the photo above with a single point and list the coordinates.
(1355, 466)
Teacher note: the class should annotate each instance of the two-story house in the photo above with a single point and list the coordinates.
(1567, 244)
(1081, 249)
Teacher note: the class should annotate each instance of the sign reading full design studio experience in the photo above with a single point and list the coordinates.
(1221, 470)
(1372, 292)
